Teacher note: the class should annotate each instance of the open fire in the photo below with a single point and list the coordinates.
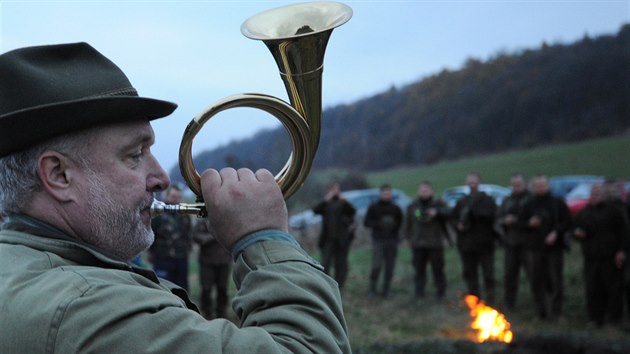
(489, 323)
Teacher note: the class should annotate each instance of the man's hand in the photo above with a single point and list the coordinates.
(620, 259)
(535, 221)
(241, 202)
(579, 233)
(509, 219)
(331, 194)
(551, 238)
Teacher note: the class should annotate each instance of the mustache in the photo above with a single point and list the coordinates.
(146, 204)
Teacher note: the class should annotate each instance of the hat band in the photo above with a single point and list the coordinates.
(128, 91)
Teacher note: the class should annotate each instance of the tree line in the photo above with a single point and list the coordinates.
(551, 94)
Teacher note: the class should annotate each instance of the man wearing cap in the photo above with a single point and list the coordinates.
(77, 179)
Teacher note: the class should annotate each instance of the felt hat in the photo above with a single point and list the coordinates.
(48, 91)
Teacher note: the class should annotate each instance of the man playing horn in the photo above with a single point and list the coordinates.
(77, 179)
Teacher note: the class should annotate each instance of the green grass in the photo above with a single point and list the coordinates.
(402, 319)
(608, 157)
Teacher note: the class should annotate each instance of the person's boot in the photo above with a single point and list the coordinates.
(419, 290)
(386, 290)
(441, 294)
(372, 290)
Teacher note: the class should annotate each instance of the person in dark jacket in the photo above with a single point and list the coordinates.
(215, 265)
(547, 220)
(337, 232)
(385, 218)
(425, 229)
(604, 233)
(514, 237)
(173, 242)
(474, 217)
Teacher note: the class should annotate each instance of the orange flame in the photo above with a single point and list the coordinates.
(489, 323)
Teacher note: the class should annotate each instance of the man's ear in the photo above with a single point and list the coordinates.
(57, 173)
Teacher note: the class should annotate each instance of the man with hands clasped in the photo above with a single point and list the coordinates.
(426, 231)
(546, 219)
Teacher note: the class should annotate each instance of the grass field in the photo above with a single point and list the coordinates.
(402, 320)
(375, 323)
(608, 157)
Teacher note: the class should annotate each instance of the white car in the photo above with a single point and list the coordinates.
(359, 198)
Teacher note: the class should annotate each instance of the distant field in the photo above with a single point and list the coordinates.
(609, 157)
(383, 326)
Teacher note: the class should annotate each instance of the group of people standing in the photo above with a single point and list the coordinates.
(537, 230)
(383, 217)
(174, 238)
(534, 227)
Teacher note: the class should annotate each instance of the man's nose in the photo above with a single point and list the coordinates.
(157, 180)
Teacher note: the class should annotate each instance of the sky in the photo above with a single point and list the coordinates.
(193, 53)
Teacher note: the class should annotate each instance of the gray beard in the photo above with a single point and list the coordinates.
(113, 229)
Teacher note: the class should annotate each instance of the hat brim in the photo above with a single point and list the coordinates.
(26, 128)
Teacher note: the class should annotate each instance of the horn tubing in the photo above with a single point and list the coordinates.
(299, 56)
(298, 166)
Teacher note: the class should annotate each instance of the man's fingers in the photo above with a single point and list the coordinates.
(210, 180)
(264, 175)
(245, 174)
(228, 174)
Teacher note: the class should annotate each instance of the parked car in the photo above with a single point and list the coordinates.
(560, 186)
(359, 198)
(579, 196)
(362, 198)
(453, 194)
(304, 219)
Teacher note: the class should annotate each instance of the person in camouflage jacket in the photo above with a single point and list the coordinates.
(173, 242)
(426, 232)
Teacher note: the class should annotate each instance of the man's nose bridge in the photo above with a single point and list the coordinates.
(157, 178)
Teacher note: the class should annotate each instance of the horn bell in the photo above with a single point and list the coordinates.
(296, 35)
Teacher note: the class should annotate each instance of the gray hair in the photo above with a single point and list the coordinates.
(18, 171)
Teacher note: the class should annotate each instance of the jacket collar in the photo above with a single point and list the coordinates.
(28, 231)
(43, 236)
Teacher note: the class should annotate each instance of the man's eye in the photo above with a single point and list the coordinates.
(136, 156)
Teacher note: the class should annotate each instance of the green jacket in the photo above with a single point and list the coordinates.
(424, 231)
(59, 296)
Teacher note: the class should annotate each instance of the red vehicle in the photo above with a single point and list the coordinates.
(578, 197)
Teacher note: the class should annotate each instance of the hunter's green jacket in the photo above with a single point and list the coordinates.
(60, 296)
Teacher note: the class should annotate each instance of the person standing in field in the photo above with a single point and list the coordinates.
(474, 216)
(547, 219)
(514, 237)
(385, 218)
(425, 229)
(603, 230)
(337, 232)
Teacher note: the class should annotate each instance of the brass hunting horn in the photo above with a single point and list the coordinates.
(297, 36)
